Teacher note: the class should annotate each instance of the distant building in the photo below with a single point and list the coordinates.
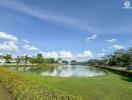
(2, 60)
(73, 62)
(13, 61)
(64, 62)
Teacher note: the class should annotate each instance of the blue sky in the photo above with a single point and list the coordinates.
(69, 28)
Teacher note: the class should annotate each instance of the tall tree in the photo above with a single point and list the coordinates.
(39, 58)
(18, 60)
(51, 61)
(7, 58)
(26, 58)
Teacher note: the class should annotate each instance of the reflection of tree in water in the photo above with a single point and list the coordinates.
(95, 69)
(74, 70)
(63, 70)
(52, 69)
(92, 68)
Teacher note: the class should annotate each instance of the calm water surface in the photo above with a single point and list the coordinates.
(63, 71)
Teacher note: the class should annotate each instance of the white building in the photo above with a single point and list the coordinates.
(2, 60)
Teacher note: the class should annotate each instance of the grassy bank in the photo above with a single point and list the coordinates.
(4, 94)
(109, 87)
(23, 88)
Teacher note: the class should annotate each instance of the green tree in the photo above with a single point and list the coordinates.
(39, 58)
(33, 60)
(59, 60)
(7, 58)
(26, 58)
(22, 59)
(51, 61)
(18, 60)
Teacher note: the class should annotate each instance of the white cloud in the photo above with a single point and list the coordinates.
(30, 48)
(52, 54)
(65, 54)
(118, 47)
(25, 41)
(61, 54)
(9, 37)
(91, 38)
(85, 54)
(111, 40)
(9, 46)
(9, 42)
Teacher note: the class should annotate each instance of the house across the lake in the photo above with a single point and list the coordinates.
(3, 61)
(73, 62)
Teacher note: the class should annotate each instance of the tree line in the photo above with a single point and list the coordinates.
(120, 58)
(38, 59)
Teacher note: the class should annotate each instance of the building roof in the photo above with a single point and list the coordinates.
(1, 56)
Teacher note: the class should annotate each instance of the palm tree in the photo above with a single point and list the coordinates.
(51, 61)
(59, 60)
(18, 60)
(26, 58)
(7, 58)
(22, 59)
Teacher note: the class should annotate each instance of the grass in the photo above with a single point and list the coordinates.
(23, 88)
(108, 87)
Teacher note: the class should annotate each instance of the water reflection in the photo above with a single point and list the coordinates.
(23, 69)
(63, 71)
(74, 71)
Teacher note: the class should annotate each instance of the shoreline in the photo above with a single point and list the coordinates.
(117, 70)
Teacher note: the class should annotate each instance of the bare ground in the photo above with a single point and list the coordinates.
(4, 95)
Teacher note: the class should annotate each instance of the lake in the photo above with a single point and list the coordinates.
(63, 71)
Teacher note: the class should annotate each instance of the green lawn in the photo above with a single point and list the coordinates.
(108, 87)
(22, 87)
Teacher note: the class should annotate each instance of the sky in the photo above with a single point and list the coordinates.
(70, 29)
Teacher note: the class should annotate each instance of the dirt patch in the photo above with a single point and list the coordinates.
(4, 95)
